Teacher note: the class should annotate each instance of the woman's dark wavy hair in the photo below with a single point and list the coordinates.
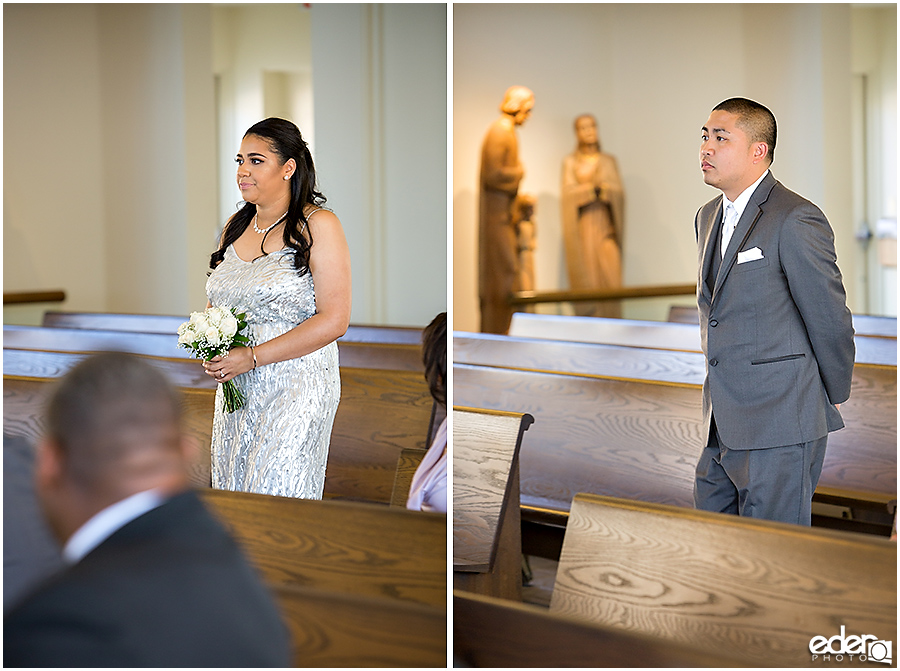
(434, 356)
(284, 139)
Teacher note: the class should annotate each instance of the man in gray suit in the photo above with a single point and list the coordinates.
(774, 324)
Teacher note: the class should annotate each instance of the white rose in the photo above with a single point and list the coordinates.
(195, 317)
(186, 336)
(214, 316)
(202, 324)
(212, 335)
(228, 325)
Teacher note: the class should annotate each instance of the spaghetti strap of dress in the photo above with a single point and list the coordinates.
(311, 214)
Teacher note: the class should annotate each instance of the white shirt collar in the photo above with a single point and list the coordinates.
(109, 520)
(741, 201)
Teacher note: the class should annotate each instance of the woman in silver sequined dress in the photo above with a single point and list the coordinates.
(283, 259)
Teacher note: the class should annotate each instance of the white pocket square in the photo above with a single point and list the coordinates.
(754, 254)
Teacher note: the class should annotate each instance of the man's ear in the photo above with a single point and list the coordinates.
(188, 449)
(48, 465)
(760, 151)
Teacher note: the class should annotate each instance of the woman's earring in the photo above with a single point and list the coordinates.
(286, 177)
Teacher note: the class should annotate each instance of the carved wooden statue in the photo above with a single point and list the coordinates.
(523, 217)
(501, 173)
(593, 208)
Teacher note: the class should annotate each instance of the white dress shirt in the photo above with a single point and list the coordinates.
(109, 520)
(739, 205)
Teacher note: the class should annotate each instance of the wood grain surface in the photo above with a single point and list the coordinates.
(485, 449)
(407, 463)
(168, 324)
(340, 630)
(720, 582)
(608, 331)
(59, 339)
(381, 412)
(867, 325)
(657, 335)
(24, 400)
(625, 438)
(614, 430)
(490, 632)
(50, 364)
(556, 356)
(343, 546)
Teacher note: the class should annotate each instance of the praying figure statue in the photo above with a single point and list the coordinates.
(593, 208)
(501, 173)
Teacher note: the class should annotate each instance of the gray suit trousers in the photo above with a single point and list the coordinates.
(775, 483)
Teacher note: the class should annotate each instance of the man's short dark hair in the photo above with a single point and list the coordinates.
(756, 120)
(105, 407)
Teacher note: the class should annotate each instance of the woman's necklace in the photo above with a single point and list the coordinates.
(265, 230)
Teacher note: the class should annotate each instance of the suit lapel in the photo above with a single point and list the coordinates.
(709, 245)
(742, 231)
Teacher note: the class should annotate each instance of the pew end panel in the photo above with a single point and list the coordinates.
(409, 461)
(716, 581)
(487, 542)
(343, 546)
(340, 630)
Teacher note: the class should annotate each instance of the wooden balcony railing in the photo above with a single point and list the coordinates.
(50, 296)
(531, 297)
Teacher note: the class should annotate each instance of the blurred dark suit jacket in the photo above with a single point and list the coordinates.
(170, 588)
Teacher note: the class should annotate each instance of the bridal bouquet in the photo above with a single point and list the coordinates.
(212, 333)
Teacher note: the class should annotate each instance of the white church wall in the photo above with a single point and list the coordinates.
(651, 78)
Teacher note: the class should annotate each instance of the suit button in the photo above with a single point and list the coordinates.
(714, 323)
(713, 362)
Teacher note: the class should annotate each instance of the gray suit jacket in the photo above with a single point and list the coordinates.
(774, 324)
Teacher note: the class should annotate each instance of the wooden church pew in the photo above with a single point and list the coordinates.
(866, 325)
(487, 542)
(624, 437)
(559, 356)
(491, 632)
(864, 450)
(352, 354)
(640, 439)
(381, 412)
(756, 588)
(657, 335)
(343, 546)
(338, 545)
(167, 324)
(342, 630)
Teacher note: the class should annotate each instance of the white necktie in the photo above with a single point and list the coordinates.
(728, 226)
